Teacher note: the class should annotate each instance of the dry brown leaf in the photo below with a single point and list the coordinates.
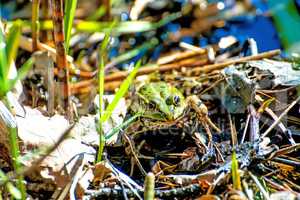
(101, 171)
(38, 131)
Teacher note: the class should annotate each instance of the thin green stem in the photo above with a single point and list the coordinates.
(70, 7)
(101, 92)
(101, 144)
(35, 23)
(15, 153)
(115, 130)
(102, 56)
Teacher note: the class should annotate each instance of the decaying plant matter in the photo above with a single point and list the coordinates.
(126, 100)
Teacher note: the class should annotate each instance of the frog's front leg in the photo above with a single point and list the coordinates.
(202, 114)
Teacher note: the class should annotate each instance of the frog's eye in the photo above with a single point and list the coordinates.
(169, 101)
(152, 105)
(176, 100)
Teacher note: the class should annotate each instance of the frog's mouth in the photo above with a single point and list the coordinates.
(163, 115)
(173, 112)
(177, 111)
(158, 114)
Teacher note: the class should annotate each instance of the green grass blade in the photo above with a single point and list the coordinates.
(97, 14)
(3, 65)
(22, 72)
(15, 152)
(115, 130)
(12, 42)
(15, 192)
(121, 92)
(149, 185)
(101, 85)
(43, 24)
(102, 54)
(101, 92)
(70, 8)
(121, 28)
(35, 23)
(235, 173)
(261, 188)
(106, 39)
(9, 186)
(168, 19)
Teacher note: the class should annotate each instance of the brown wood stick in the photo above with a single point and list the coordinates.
(219, 66)
(35, 23)
(147, 70)
(83, 83)
(198, 68)
(26, 44)
(114, 80)
(61, 57)
(110, 86)
(179, 56)
(278, 120)
(45, 34)
(87, 85)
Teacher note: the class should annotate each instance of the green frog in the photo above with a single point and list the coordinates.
(160, 101)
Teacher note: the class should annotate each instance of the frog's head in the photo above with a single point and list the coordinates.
(161, 101)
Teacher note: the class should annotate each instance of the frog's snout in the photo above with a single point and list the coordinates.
(174, 113)
(170, 115)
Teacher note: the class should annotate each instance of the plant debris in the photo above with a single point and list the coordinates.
(147, 100)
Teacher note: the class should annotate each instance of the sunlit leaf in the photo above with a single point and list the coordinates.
(125, 27)
(35, 23)
(10, 187)
(265, 105)
(22, 72)
(70, 8)
(97, 14)
(12, 41)
(9, 50)
(121, 28)
(106, 39)
(101, 92)
(121, 92)
(101, 84)
(15, 192)
(102, 53)
(235, 173)
(115, 130)
(3, 65)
